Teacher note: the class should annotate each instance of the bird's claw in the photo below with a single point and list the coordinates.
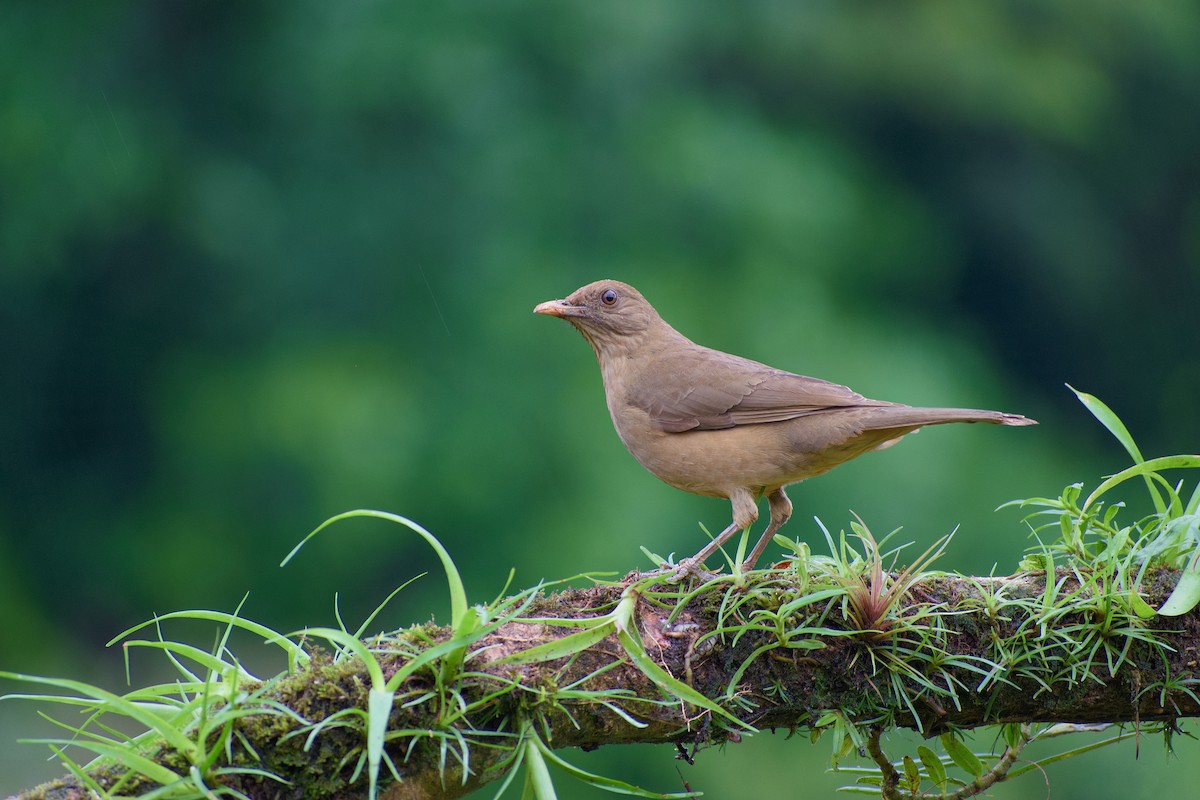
(690, 566)
(674, 573)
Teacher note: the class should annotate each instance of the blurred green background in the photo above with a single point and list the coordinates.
(263, 263)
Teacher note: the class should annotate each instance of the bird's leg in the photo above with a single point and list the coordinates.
(695, 564)
(745, 513)
(781, 511)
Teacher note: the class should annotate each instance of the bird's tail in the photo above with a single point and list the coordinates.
(910, 417)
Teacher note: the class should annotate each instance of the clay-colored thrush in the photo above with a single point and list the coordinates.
(716, 424)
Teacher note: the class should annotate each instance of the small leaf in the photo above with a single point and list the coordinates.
(843, 748)
(934, 767)
(379, 710)
(807, 644)
(1034, 562)
(912, 775)
(1186, 594)
(963, 758)
(1140, 606)
(826, 719)
(561, 648)
(1013, 735)
(658, 561)
(1110, 420)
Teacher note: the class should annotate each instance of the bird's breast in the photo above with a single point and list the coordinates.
(710, 462)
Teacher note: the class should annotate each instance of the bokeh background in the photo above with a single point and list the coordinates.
(264, 263)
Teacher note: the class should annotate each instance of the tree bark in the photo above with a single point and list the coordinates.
(976, 631)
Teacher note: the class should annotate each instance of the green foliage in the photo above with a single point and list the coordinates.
(192, 717)
(1091, 536)
(465, 625)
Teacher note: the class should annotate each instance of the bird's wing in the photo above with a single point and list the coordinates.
(704, 389)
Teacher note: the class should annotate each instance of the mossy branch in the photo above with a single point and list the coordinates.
(950, 652)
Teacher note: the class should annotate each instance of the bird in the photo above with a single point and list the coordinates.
(715, 424)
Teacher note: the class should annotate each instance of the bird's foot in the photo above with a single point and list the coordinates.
(688, 567)
(674, 573)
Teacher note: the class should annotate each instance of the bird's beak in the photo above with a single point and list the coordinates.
(559, 308)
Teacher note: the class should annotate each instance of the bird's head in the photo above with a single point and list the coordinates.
(612, 316)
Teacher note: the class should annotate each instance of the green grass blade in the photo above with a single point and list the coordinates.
(447, 648)
(379, 608)
(731, 689)
(126, 757)
(1110, 420)
(602, 782)
(538, 783)
(202, 657)
(792, 606)
(458, 593)
(80, 773)
(379, 710)
(562, 622)
(561, 648)
(511, 766)
(668, 683)
(295, 652)
(1149, 470)
(107, 701)
(353, 644)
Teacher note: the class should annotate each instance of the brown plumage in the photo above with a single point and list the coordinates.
(720, 425)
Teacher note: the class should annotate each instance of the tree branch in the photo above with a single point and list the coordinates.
(951, 652)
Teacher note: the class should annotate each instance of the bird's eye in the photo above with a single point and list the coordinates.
(608, 297)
